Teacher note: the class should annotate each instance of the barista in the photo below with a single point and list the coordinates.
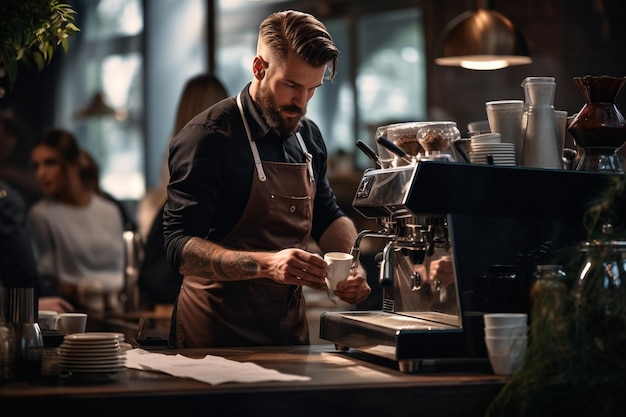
(247, 192)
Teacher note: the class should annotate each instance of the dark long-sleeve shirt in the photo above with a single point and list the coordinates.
(18, 268)
(17, 262)
(212, 167)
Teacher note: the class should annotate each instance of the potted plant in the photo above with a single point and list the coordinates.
(576, 358)
(30, 32)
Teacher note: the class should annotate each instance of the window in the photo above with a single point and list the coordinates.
(107, 59)
(391, 71)
(140, 70)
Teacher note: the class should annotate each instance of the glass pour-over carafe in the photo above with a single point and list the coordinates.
(599, 128)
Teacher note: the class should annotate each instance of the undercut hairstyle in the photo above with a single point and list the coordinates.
(303, 35)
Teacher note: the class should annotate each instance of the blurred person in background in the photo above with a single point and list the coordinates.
(76, 233)
(15, 159)
(158, 281)
(90, 173)
(248, 191)
(198, 94)
(18, 268)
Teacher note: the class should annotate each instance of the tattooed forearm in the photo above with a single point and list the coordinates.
(212, 261)
(230, 265)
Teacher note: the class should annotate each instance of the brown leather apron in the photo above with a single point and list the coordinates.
(255, 312)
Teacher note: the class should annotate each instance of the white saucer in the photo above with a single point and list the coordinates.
(495, 155)
(101, 360)
(94, 337)
(91, 352)
(505, 154)
(494, 145)
(109, 370)
(96, 365)
(497, 160)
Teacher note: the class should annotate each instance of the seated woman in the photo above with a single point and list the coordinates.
(77, 234)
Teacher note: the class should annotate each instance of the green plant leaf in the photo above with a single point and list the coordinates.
(39, 60)
(31, 31)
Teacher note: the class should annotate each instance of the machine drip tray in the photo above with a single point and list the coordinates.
(413, 341)
(426, 320)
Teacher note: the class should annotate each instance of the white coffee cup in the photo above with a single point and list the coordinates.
(500, 346)
(505, 319)
(46, 319)
(506, 331)
(339, 264)
(506, 364)
(506, 353)
(71, 322)
(505, 117)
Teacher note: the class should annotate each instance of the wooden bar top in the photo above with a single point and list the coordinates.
(342, 383)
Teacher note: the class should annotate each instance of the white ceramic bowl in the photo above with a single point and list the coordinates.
(506, 331)
(505, 319)
(506, 345)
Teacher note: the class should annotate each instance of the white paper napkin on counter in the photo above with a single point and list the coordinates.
(210, 369)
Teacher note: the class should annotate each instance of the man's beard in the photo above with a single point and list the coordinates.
(272, 113)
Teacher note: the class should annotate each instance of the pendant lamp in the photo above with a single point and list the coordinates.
(481, 39)
(98, 108)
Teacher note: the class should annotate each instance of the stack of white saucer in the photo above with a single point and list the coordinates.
(92, 354)
(489, 149)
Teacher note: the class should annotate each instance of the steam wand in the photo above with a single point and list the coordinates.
(355, 251)
(386, 265)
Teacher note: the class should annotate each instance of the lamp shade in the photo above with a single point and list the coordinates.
(95, 108)
(481, 39)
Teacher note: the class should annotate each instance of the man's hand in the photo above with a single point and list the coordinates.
(57, 304)
(298, 267)
(355, 289)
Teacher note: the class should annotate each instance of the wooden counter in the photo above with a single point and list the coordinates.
(342, 384)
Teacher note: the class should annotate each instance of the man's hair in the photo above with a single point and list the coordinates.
(301, 34)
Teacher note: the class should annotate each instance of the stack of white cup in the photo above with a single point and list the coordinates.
(506, 338)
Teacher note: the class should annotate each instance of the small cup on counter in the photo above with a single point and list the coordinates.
(71, 322)
(46, 319)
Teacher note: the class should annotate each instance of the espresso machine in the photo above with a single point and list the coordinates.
(467, 217)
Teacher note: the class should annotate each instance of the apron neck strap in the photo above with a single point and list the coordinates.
(255, 151)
